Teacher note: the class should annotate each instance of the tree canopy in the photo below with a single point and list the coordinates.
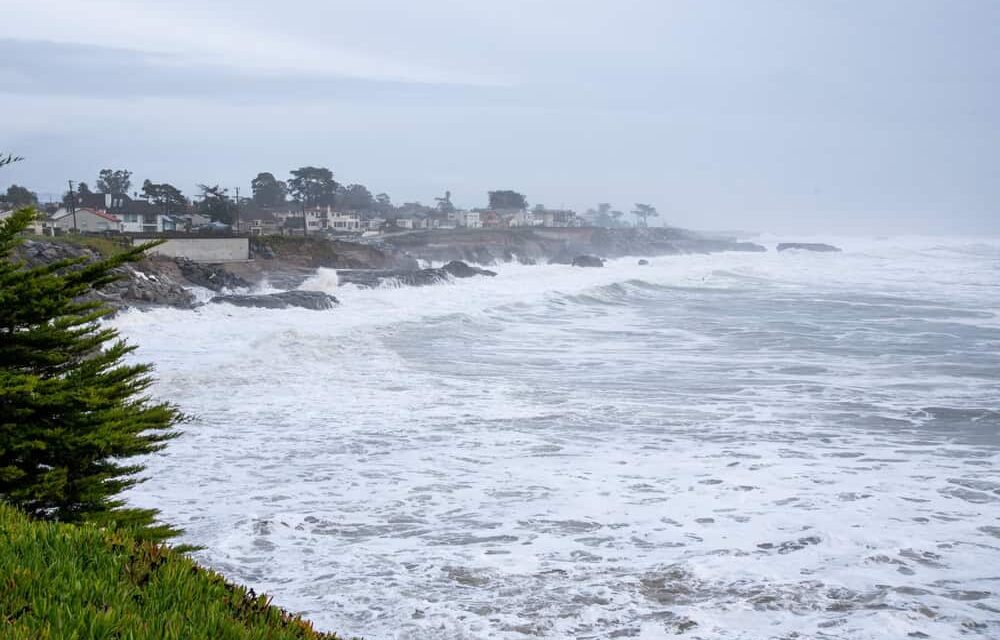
(73, 197)
(216, 204)
(355, 197)
(20, 196)
(313, 186)
(268, 191)
(114, 181)
(444, 203)
(643, 212)
(507, 200)
(383, 204)
(73, 411)
(165, 195)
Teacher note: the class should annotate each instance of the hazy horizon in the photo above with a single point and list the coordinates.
(810, 117)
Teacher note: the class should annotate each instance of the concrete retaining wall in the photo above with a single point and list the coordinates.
(206, 249)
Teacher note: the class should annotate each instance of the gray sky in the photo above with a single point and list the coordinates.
(780, 115)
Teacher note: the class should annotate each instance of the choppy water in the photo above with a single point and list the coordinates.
(769, 445)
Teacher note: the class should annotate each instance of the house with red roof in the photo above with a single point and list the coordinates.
(85, 219)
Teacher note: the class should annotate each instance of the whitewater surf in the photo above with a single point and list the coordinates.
(720, 446)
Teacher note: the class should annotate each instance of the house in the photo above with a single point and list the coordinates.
(135, 216)
(260, 223)
(441, 221)
(141, 217)
(492, 220)
(403, 223)
(316, 219)
(374, 224)
(523, 218)
(469, 219)
(190, 221)
(84, 219)
(102, 201)
(339, 222)
(556, 217)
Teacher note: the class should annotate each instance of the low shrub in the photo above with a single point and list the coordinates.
(61, 581)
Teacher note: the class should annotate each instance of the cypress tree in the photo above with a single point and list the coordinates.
(72, 410)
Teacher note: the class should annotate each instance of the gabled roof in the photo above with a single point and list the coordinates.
(95, 212)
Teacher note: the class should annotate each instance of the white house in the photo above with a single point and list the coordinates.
(343, 222)
(315, 220)
(469, 219)
(84, 219)
(146, 223)
(524, 218)
(404, 223)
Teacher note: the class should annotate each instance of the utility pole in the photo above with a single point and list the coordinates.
(237, 210)
(72, 204)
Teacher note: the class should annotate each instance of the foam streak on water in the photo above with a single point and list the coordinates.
(725, 446)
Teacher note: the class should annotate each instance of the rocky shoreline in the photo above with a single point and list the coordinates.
(285, 263)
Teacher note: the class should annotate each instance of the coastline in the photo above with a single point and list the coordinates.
(285, 263)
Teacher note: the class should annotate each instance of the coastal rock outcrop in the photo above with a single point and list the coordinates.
(210, 276)
(316, 300)
(369, 278)
(555, 245)
(459, 269)
(139, 287)
(807, 246)
(145, 283)
(587, 261)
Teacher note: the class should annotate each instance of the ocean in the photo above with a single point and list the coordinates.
(736, 445)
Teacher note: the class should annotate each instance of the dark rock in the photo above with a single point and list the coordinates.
(587, 261)
(459, 269)
(316, 300)
(210, 276)
(807, 246)
(143, 284)
(562, 257)
(643, 263)
(369, 278)
(747, 246)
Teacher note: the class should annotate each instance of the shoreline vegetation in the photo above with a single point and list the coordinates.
(83, 581)
(76, 561)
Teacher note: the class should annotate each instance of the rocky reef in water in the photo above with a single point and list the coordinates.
(531, 245)
(315, 300)
(807, 246)
(369, 278)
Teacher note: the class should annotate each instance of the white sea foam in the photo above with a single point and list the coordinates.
(324, 280)
(721, 446)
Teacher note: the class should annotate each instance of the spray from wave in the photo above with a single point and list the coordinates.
(325, 280)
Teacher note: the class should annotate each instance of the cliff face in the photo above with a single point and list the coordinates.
(531, 245)
(163, 281)
(154, 281)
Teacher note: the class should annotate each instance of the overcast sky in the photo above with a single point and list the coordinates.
(879, 116)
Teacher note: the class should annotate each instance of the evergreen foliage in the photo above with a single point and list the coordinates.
(72, 411)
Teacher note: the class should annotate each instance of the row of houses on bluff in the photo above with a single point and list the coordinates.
(107, 213)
